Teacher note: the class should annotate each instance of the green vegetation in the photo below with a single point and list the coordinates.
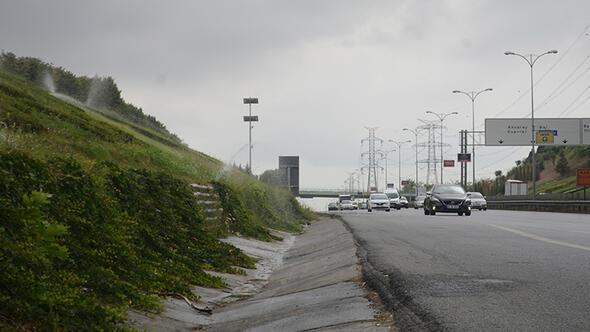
(96, 215)
(100, 93)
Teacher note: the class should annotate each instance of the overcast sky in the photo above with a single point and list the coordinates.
(322, 70)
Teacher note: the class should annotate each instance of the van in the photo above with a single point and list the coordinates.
(393, 196)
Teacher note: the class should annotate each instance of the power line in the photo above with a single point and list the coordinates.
(559, 59)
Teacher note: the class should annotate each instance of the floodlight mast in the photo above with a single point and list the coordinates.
(249, 119)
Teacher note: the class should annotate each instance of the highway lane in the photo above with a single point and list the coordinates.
(495, 270)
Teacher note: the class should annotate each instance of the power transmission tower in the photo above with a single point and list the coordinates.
(431, 127)
(374, 145)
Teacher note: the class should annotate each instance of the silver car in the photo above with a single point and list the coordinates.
(378, 202)
(419, 202)
(478, 201)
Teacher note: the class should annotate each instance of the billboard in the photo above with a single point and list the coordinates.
(449, 163)
(549, 131)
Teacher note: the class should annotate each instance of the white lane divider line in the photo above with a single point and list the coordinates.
(540, 238)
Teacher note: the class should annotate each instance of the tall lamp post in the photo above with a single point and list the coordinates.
(472, 95)
(531, 59)
(250, 119)
(415, 132)
(442, 117)
(399, 160)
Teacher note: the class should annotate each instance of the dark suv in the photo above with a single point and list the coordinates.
(447, 198)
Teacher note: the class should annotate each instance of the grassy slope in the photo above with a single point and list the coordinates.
(46, 128)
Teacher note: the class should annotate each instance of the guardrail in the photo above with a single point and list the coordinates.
(544, 205)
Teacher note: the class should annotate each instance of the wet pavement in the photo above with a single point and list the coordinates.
(308, 282)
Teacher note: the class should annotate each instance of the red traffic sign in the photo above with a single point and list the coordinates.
(583, 177)
(449, 163)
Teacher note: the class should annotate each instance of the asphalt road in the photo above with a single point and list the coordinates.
(494, 270)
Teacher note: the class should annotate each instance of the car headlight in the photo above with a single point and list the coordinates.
(468, 202)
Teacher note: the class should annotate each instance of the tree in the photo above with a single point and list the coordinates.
(562, 166)
(270, 176)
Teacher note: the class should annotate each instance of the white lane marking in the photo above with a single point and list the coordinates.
(540, 238)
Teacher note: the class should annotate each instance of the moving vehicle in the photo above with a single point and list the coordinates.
(478, 201)
(332, 206)
(346, 205)
(355, 203)
(403, 202)
(378, 201)
(344, 197)
(419, 202)
(393, 196)
(447, 198)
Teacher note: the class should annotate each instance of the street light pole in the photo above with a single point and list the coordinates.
(472, 95)
(415, 132)
(442, 117)
(399, 167)
(531, 59)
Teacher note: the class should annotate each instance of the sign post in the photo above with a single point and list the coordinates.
(583, 178)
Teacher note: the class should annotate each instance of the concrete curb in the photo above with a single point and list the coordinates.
(316, 289)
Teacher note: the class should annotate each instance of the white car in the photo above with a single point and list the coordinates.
(346, 205)
(378, 202)
(478, 201)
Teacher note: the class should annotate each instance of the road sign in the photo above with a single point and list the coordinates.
(463, 157)
(250, 100)
(252, 118)
(449, 163)
(405, 182)
(583, 177)
(545, 136)
(517, 132)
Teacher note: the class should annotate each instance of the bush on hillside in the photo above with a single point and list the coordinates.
(78, 247)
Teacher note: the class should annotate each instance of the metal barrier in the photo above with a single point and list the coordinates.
(571, 206)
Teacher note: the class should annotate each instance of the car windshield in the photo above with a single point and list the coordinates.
(476, 195)
(346, 202)
(378, 196)
(448, 190)
(392, 195)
